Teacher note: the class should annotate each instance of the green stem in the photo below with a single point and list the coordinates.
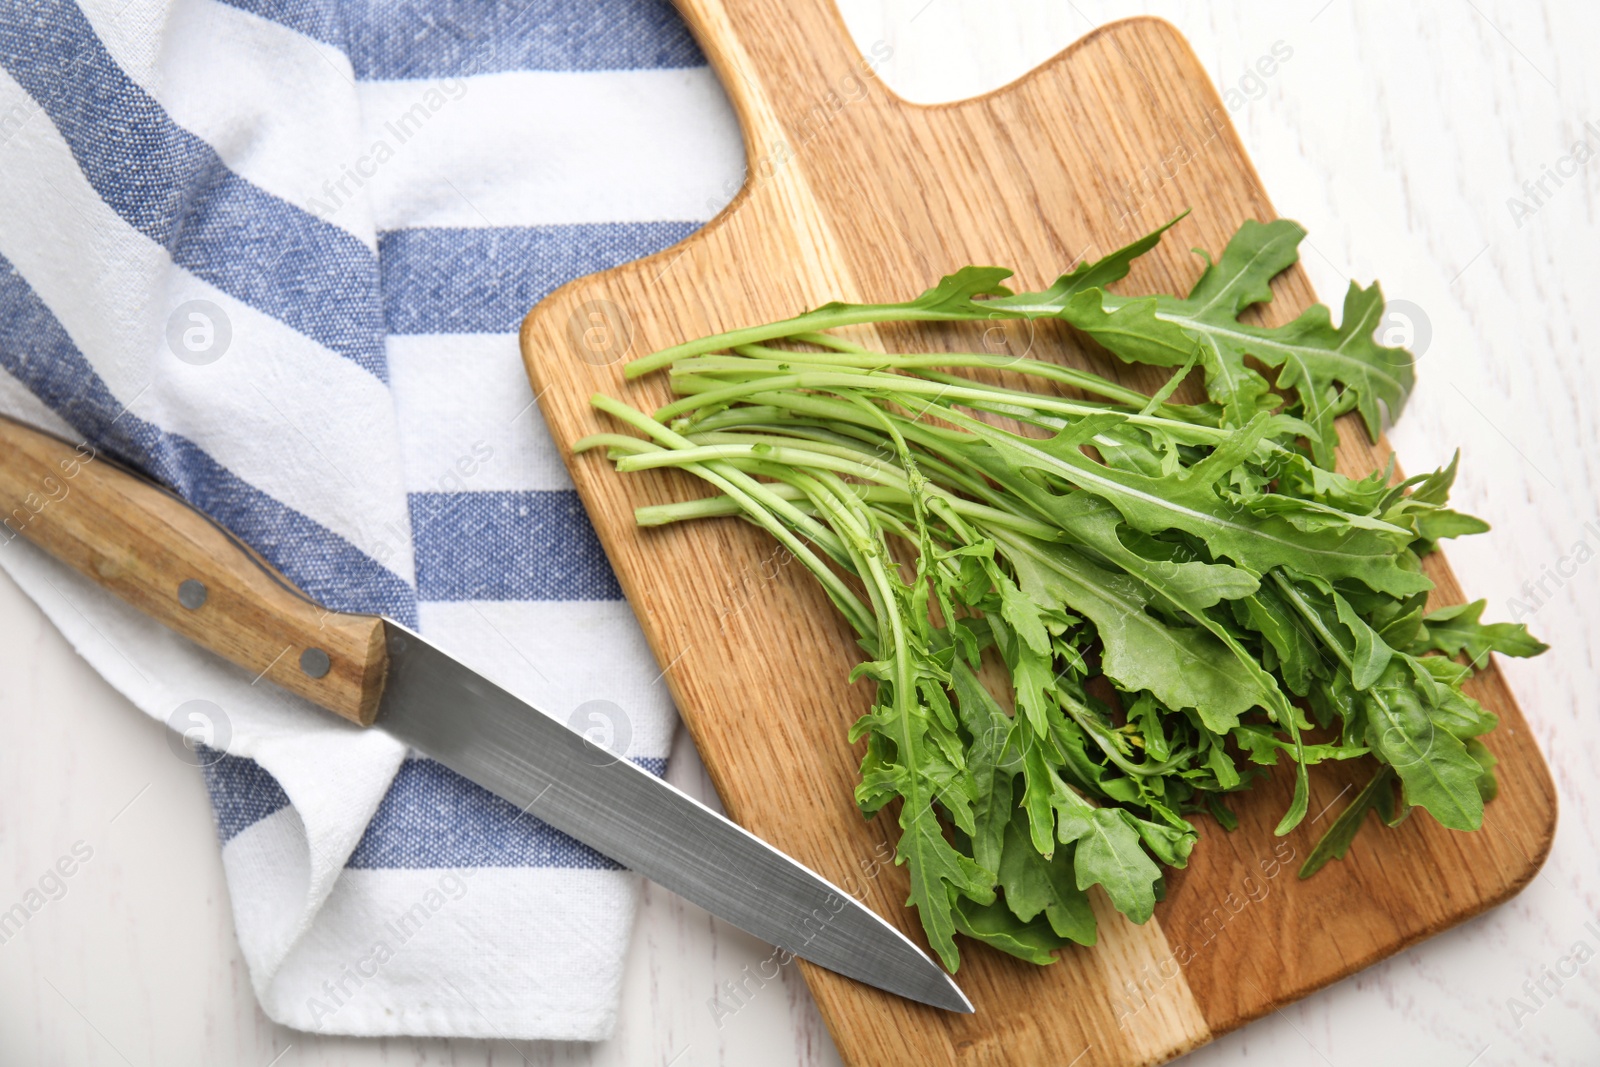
(721, 506)
(615, 444)
(854, 356)
(809, 323)
(749, 486)
(939, 390)
(736, 484)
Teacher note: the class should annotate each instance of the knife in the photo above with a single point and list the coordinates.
(141, 542)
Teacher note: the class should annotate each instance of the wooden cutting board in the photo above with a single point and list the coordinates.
(854, 194)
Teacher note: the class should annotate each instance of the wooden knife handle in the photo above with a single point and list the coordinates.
(172, 563)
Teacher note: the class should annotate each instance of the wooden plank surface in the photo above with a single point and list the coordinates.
(857, 195)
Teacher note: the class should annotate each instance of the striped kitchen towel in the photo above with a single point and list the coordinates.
(275, 253)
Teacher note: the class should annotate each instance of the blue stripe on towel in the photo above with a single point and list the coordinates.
(390, 39)
(173, 188)
(36, 350)
(502, 545)
(242, 792)
(433, 817)
(449, 280)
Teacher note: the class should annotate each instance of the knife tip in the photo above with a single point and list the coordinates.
(965, 1007)
(948, 995)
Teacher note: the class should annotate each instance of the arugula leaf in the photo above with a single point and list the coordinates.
(1033, 884)
(956, 296)
(1086, 276)
(1189, 502)
(1166, 843)
(1295, 652)
(1147, 713)
(1146, 330)
(1435, 769)
(1488, 785)
(1369, 655)
(1313, 357)
(1183, 667)
(991, 761)
(995, 925)
(937, 868)
(1155, 578)
(1377, 795)
(1108, 854)
(1457, 629)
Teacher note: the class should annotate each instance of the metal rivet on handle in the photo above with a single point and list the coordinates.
(191, 593)
(315, 662)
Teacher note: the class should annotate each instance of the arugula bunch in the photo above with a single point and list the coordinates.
(1178, 595)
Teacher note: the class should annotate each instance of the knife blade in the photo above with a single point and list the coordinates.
(147, 546)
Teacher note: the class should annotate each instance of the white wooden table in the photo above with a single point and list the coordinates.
(1402, 135)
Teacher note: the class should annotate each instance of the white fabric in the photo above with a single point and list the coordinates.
(298, 437)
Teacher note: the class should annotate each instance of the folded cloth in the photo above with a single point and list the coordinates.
(274, 253)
